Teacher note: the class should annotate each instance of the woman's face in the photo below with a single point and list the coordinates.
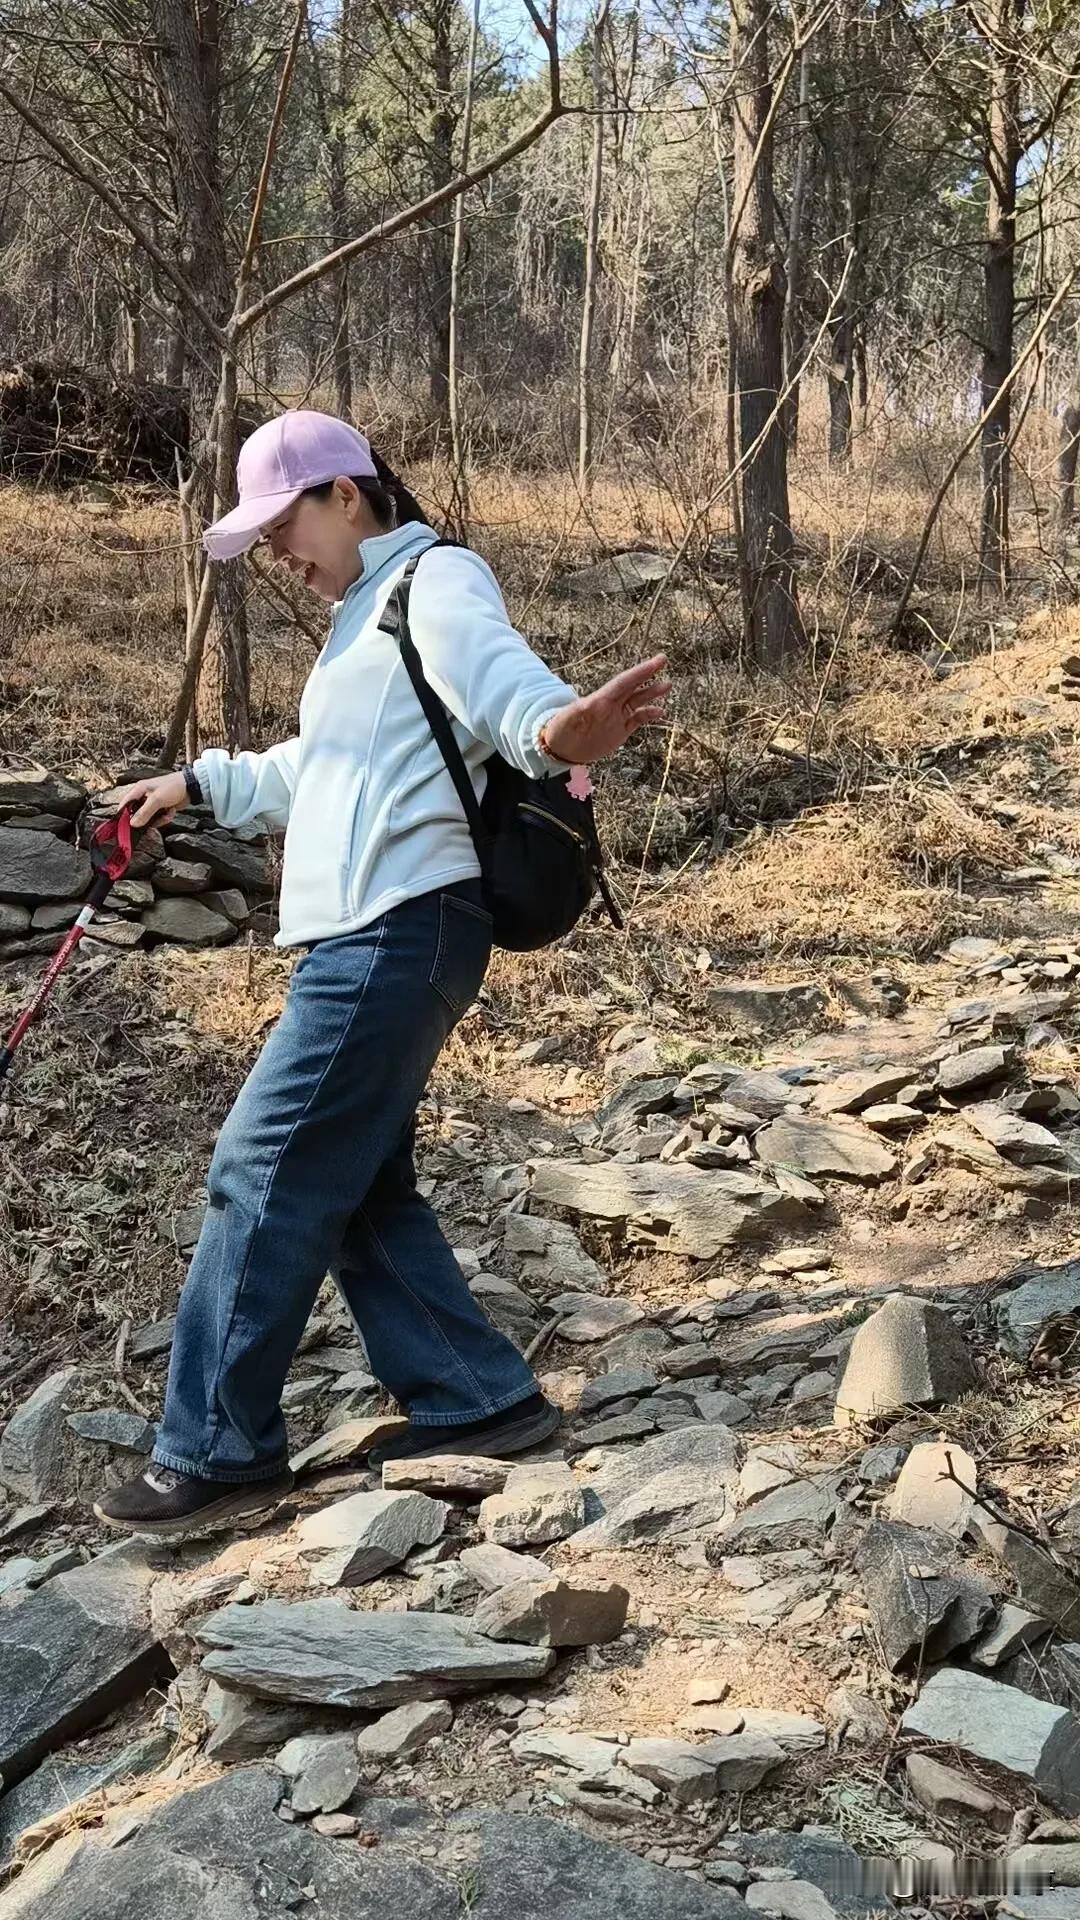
(317, 539)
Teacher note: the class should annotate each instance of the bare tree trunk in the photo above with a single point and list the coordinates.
(592, 261)
(862, 385)
(771, 623)
(793, 318)
(342, 321)
(331, 108)
(459, 450)
(999, 286)
(1068, 447)
(839, 214)
(189, 68)
(839, 369)
(441, 139)
(176, 352)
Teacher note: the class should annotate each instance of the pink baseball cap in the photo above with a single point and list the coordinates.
(277, 462)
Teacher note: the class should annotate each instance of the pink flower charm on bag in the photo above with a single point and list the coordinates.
(579, 786)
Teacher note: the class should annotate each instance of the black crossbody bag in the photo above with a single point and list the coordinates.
(538, 848)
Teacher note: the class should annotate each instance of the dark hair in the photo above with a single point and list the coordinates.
(389, 498)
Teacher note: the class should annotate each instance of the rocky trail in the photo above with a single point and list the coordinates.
(786, 1621)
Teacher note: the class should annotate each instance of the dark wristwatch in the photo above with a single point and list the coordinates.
(194, 790)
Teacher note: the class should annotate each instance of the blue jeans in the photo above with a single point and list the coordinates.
(313, 1172)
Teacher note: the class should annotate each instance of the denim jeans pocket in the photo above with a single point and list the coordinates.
(463, 952)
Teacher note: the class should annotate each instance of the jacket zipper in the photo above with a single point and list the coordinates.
(550, 820)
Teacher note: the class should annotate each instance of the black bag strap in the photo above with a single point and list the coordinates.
(395, 620)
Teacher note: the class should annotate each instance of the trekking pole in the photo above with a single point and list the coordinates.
(111, 848)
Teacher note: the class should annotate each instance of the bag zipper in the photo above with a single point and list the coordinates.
(551, 820)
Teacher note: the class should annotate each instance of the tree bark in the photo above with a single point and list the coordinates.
(189, 70)
(841, 160)
(1068, 447)
(441, 139)
(330, 102)
(771, 624)
(592, 262)
(793, 316)
(840, 371)
(1002, 161)
(459, 449)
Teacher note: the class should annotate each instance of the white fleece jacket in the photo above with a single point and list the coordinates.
(370, 812)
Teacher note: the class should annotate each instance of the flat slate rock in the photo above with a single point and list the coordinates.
(72, 1653)
(809, 1144)
(751, 1005)
(221, 1853)
(1028, 1737)
(543, 1870)
(234, 861)
(824, 1859)
(114, 1427)
(323, 1652)
(684, 1209)
(189, 922)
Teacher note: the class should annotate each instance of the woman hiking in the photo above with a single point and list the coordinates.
(313, 1169)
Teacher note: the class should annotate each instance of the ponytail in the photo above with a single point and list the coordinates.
(406, 506)
(391, 502)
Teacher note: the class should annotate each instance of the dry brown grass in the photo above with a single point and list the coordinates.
(837, 881)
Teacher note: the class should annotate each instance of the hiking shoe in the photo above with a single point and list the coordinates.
(161, 1501)
(527, 1424)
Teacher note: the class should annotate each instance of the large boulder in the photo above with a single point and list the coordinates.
(33, 1450)
(72, 1653)
(924, 1606)
(908, 1354)
(221, 1853)
(37, 866)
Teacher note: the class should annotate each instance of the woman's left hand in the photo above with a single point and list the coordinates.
(600, 723)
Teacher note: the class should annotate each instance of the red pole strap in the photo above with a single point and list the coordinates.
(111, 846)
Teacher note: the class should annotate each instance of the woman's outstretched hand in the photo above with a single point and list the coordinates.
(600, 723)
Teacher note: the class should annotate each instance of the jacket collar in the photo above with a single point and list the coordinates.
(382, 549)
